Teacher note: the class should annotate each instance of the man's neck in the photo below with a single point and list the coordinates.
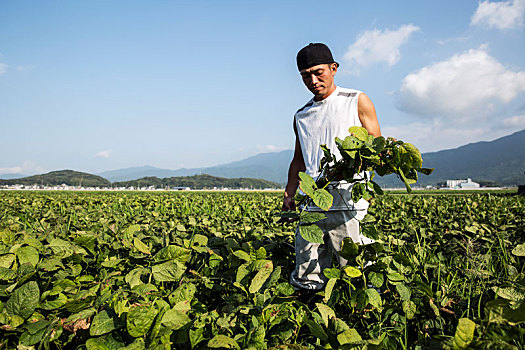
(320, 98)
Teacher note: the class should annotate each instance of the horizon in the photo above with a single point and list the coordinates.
(2, 176)
(107, 86)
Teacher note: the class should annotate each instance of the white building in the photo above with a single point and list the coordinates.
(462, 184)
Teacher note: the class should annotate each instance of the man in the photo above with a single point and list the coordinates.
(326, 116)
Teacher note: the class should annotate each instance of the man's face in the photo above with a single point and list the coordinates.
(320, 79)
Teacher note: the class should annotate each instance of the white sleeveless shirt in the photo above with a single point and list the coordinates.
(319, 123)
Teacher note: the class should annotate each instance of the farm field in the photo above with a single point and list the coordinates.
(206, 270)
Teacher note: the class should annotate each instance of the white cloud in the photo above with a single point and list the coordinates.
(103, 154)
(429, 137)
(377, 46)
(27, 168)
(437, 135)
(3, 68)
(517, 121)
(466, 87)
(459, 39)
(500, 15)
(269, 148)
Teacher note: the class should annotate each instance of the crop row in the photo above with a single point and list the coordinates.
(211, 270)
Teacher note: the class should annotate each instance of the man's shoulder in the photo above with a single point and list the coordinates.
(345, 92)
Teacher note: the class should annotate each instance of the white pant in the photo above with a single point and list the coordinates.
(312, 258)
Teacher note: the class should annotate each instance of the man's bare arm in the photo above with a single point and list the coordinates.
(367, 115)
(296, 166)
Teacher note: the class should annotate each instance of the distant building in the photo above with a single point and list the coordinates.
(462, 184)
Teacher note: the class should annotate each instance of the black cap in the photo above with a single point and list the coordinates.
(314, 54)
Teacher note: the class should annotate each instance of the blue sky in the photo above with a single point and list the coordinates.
(102, 85)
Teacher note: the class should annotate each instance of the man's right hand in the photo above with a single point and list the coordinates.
(288, 203)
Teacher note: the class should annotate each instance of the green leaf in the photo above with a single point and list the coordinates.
(395, 277)
(426, 171)
(374, 298)
(425, 288)
(349, 336)
(24, 300)
(61, 247)
(509, 293)
(260, 253)
(322, 198)
(138, 344)
(307, 184)
(359, 133)
(183, 306)
(274, 277)
(27, 254)
(87, 241)
(141, 247)
(50, 264)
(519, 250)
(170, 271)
(37, 326)
(349, 250)
(311, 233)
(82, 315)
(405, 180)
(329, 288)
(414, 155)
(133, 277)
(241, 254)
(349, 146)
(140, 319)
(223, 341)
(464, 333)
(7, 260)
(377, 188)
(337, 325)
(285, 288)
(173, 252)
(261, 276)
(309, 217)
(358, 191)
(112, 262)
(96, 344)
(316, 329)
(499, 311)
(404, 291)
(409, 307)
(184, 292)
(332, 272)
(7, 274)
(379, 144)
(55, 303)
(326, 312)
(352, 272)
(242, 272)
(196, 336)
(175, 319)
(29, 339)
(376, 278)
(104, 322)
(130, 231)
(326, 152)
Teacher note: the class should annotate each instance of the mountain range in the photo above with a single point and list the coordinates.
(59, 177)
(268, 166)
(497, 162)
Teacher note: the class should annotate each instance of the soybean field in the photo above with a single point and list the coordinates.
(200, 270)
